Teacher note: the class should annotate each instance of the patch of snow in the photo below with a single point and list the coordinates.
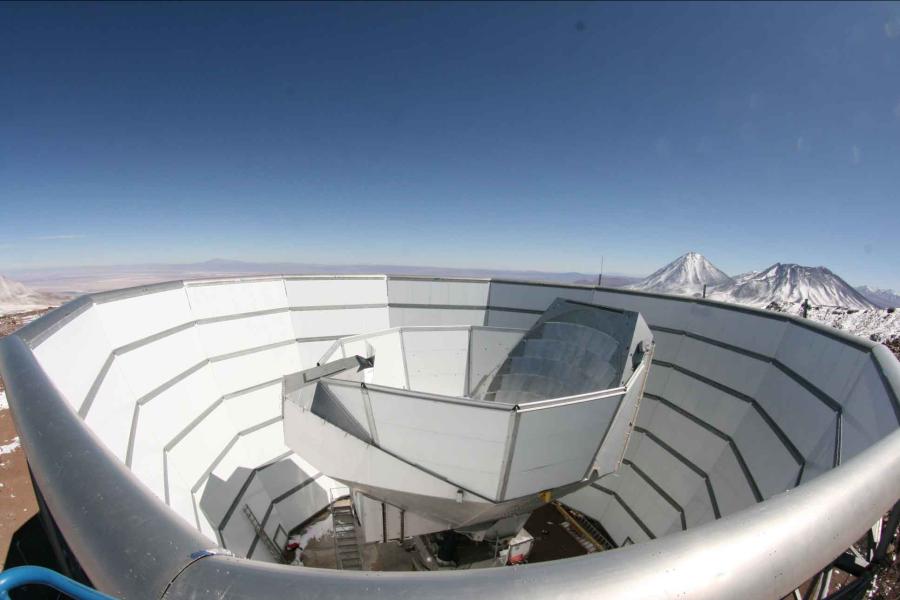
(876, 324)
(10, 447)
(315, 531)
(4, 403)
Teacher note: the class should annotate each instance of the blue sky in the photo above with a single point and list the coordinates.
(463, 135)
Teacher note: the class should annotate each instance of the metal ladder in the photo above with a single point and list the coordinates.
(274, 550)
(583, 531)
(346, 541)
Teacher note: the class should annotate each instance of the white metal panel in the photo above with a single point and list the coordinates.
(389, 364)
(721, 410)
(163, 417)
(351, 398)
(446, 293)
(555, 446)
(190, 457)
(112, 412)
(245, 370)
(692, 441)
(181, 500)
(153, 365)
(803, 417)
(73, 372)
(533, 297)
(311, 352)
(752, 332)
(339, 321)
(463, 443)
(335, 292)
(301, 505)
(685, 486)
(767, 458)
(510, 319)
(664, 312)
(732, 369)
(239, 533)
(605, 508)
(136, 317)
(346, 458)
(260, 404)
(652, 509)
(833, 366)
(868, 412)
(300, 497)
(233, 335)
(668, 345)
(733, 493)
(607, 458)
(235, 297)
(658, 379)
(488, 348)
(414, 317)
(436, 360)
(253, 449)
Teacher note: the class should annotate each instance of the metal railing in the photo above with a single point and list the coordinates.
(18, 577)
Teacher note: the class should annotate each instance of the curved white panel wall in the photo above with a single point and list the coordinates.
(178, 380)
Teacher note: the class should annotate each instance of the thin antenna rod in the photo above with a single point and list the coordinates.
(600, 278)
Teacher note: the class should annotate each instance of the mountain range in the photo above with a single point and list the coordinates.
(880, 297)
(688, 274)
(784, 283)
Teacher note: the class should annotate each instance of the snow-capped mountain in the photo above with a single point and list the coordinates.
(881, 297)
(17, 297)
(792, 283)
(686, 276)
(787, 283)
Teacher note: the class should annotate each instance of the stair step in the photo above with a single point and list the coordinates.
(346, 540)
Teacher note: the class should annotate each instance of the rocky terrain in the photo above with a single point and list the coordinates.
(876, 324)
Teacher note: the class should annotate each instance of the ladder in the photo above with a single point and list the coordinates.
(274, 550)
(583, 531)
(346, 541)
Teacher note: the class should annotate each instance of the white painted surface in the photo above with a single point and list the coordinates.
(74, 355)
(436, 360)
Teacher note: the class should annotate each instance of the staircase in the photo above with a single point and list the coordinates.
(346, 542)
(583, 531)
(274, 550)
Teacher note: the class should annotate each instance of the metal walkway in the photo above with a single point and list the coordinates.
(583, 531)
(346, 541)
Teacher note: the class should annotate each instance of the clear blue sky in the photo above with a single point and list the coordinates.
(501, 136)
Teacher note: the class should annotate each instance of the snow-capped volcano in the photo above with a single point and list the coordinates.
(686, 276)
(792, 283)
(17, 297)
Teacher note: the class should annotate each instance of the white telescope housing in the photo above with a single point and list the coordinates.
(764, 446)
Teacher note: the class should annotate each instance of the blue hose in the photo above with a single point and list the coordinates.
(19, 576)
